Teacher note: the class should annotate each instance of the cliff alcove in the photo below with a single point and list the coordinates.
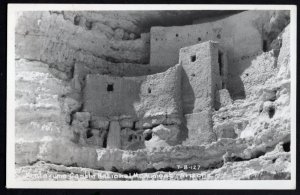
(132, 91)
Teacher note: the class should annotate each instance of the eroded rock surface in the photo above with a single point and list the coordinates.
(234, 139)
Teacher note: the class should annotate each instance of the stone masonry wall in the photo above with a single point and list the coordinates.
(82, 69)
(201, 77)
(240, 34)
(137, 97)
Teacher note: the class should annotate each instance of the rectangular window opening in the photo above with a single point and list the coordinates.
(193, 58)
(110, 87)
(220, 60)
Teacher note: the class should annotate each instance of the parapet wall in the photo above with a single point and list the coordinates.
(81, 70)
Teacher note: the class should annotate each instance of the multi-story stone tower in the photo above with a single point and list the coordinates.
(204, 74)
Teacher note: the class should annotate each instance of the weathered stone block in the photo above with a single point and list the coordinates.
(132, 36)
(166, 132)
(81, 118)
(126, 123)
(268, 95)
(114, 135)
(156, 142)
(119, 34)
(226, 131)
(79, 133)
(96, 138)
(132, 140)
(143, 124)
(200, 128)
(224, 97)
(99, 122)
(78, 125)
(157, 120)
(172, 121)
(161, 136)
(76, 83)
(70, 105)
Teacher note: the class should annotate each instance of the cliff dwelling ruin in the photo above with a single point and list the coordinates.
(126, 110)
(126, 91)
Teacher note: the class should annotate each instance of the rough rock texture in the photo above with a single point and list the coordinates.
(265, 113)
(163, 136)
(39, 101)
(60, 42)
(103, 42)
(42, 109)
(274, 165)
(222, 98)
(248, 138)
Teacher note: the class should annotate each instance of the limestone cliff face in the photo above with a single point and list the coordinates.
(109, 41)
(60, 41)
(56, 50)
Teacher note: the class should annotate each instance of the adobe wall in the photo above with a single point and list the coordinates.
(199, 127)
(201, 76)
(240, 34)
(204, 74)
(114, 69)
(137, 97)
(101, 102)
